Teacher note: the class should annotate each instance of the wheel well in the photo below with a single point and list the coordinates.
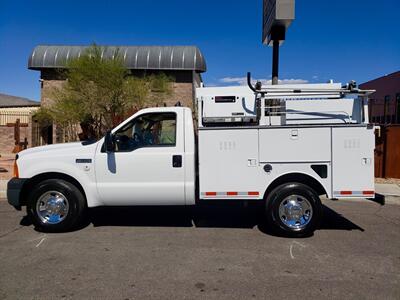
(30, 183)
(300, 178)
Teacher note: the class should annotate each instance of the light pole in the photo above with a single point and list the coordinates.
(277, 17)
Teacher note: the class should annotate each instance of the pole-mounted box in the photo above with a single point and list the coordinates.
(277, 17)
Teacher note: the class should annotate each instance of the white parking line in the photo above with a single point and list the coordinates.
(41, 241)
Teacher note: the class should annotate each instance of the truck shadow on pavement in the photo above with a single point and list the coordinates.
(203, 216)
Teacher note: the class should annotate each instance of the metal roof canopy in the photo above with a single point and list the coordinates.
(277, 17)
(134, 57)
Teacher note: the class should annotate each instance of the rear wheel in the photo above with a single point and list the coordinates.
(56, 205)
(294, 209)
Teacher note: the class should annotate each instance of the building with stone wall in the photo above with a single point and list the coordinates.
(184, 64)
(15, 110)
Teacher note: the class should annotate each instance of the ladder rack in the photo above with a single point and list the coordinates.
(282, 92)
(280, 105)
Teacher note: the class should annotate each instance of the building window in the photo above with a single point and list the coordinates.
(398, 108)
(386, 117)
(371, 103)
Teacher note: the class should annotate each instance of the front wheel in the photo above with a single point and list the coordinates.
(56, 205)
(294, 209)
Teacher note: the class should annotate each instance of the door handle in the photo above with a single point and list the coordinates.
(177, 161)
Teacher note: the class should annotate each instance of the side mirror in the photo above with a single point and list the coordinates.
(109, 142)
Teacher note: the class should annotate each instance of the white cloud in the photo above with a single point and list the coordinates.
(264, 81)
(240, 80)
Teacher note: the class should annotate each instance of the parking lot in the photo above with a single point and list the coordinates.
(216, 253)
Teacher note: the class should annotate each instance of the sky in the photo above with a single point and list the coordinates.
(341, 40)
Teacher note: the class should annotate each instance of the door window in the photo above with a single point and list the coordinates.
(148, 130)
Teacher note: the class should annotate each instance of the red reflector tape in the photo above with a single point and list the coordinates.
(253, 193)
(368, 192)
(346, 192)
(231, 193)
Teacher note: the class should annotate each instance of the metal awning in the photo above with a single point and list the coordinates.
(134, 57)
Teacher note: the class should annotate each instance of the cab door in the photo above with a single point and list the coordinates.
(146, 167)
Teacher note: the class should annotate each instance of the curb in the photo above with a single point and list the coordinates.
(379, 198)
(392, 199)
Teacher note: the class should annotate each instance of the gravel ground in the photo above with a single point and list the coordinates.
(388, 181)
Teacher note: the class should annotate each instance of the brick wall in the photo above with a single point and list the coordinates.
(6, 155)
(387, 87)
(7, 142)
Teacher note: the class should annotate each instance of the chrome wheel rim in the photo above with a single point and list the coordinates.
(52, 207)
(295, 212)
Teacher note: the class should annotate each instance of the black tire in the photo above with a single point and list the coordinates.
(278, 195)
(76, 205)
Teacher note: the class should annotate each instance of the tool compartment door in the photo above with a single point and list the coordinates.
(294, 145)
(352, 162)
(228, 166)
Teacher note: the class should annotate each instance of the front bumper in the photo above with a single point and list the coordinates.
(14, 188)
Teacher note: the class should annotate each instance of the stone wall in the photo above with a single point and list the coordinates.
(50, 81)
(182, 90)
(47, 88)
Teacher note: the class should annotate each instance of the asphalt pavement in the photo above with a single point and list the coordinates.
(212, 252)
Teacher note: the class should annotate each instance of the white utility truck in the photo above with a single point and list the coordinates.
(284, 145)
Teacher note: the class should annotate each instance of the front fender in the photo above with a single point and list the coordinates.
(82, 173)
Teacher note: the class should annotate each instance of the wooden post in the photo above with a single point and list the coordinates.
(17, 131)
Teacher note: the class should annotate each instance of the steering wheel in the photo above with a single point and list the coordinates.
(121, 141)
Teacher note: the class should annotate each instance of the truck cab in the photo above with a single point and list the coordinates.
(151, 161)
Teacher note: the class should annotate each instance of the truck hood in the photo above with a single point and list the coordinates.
(78, 148)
